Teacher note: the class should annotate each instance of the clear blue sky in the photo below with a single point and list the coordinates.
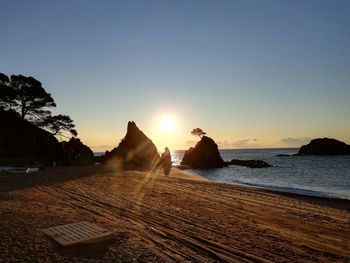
(250, 73)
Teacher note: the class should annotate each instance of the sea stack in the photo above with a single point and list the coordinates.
(135, 151)
(204, 155)
(77, 153)
(325, 146)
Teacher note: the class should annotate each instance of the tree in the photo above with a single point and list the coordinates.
(26, 96)
(57, 124)
(198, 132)
(7, 94)
(4, 78)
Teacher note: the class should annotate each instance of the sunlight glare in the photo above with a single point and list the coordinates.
(166, 125)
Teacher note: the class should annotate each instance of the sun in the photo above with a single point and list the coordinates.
(166, 125)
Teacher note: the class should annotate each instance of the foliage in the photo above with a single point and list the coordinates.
(6, 92)
(198, 132)
(4, 79)
(26, 96)
(57, 124)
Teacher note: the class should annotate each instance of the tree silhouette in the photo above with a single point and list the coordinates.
(7, 94)
(57, 124)
(198, 132)
(26, 96)
(4, 79)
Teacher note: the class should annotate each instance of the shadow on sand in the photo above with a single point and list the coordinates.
(13, 182)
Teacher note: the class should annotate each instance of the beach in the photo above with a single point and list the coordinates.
(158, 218)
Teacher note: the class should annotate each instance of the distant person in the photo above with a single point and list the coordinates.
(165, 161)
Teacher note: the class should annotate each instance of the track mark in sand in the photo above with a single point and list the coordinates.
(192, 243)
(131, 216)
(212, 249)
(153, 225)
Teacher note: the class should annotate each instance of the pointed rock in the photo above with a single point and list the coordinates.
(135, 151)
(165, 161)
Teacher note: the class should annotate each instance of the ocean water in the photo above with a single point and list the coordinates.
(326, 176)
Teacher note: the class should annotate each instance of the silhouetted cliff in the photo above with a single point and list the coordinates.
(77, 153)
(21, 141)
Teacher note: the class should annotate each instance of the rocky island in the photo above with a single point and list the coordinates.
(204, 155)
(325, 146)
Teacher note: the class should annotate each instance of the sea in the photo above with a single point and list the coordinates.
(322, 176)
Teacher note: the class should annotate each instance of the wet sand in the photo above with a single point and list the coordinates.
(176, 218)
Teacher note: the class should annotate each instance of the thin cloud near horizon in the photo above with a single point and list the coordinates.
(298, 141)
(234, 144)
(244, 143)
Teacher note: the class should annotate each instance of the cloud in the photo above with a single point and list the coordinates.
(299, 141)
(244, 143)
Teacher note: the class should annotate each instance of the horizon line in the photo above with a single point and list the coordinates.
(249, 148)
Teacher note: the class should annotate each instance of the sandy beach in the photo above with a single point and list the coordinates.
(175, 218)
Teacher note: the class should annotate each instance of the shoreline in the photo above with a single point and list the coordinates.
(8, 179)
(15, 179)
(332, 201)
(160, 218)
(281, 189)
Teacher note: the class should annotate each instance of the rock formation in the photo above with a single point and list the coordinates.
(204, 155)
(325, 146)
(165, 161)
(250, 163)
(135, 151)
(21, 142)
(24, 143)
(77, 153)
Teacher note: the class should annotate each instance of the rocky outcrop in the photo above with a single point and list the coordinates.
(165, 161)
(325, 146)
(135, 151)
(204, 155)
(250, 163)
(22, 142)
(77, 153)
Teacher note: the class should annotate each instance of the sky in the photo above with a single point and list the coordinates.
(251, 74)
